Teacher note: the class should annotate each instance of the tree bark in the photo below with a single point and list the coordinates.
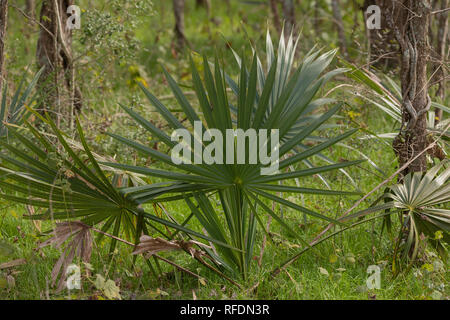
(317, 19)
(178, 10)
(383, 48)
(275, 15)
(60, 94)
(441, 42)
(3, 26)
(289, 17)
(204, 4)
(411, 31)
(31, 8)
(335, 4)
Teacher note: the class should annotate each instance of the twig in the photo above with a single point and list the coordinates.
(440, 11)
(32, 19)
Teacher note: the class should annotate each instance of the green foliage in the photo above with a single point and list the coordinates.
(386, 95)
(15, 112)
(421, 201)
(281, 99)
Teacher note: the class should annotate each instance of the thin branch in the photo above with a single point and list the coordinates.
(33, 20)
(440, 11)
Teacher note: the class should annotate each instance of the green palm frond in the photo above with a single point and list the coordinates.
(15, 111)
(228, 200)
(280, 99)
(424, 199)
(386, 96)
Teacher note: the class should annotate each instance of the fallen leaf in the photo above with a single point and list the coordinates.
(324, 271)
(333, 258)
(152, 246)
(107, 287)
(13, 263)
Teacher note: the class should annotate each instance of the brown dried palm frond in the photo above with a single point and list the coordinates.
(151, 246)
(80, 246)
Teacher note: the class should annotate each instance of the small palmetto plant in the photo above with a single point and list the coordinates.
(422, 203)
(281, 98)
(15, 111)
(72, 184)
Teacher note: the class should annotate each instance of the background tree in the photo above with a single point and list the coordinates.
(441, 45)
(289, 17)
(275, 15)
(178, 10)
(60, 94)
(411, 31)
(3, 24)
(205, 4)
(31, 8)
(337, 16)
(382, 46)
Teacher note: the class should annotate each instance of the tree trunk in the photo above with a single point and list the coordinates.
(31, 8)
(317, 18)
(411, 31)
(383, 48)
(178, 10)
(60, 94)
(275, 15)
(204, 4)
(441, 41)
(289, 17)
(335, 4)
(3, 25)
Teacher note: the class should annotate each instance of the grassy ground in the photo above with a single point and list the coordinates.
(335, 269)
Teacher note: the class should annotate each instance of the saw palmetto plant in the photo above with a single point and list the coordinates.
(421, 204)
(15, 112)
(228, 200)
(421, 201)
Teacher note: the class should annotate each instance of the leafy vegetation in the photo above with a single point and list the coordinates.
(102, 197)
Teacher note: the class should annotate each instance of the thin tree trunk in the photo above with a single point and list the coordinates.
(317, 19)
(204, 4)
(60, 94)
(178, 10)
(441, 49)
(411, 31)
(335, 4)
(3, 26)
(275, 15)
(31, 8)
(383, 47)
(289, 17)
